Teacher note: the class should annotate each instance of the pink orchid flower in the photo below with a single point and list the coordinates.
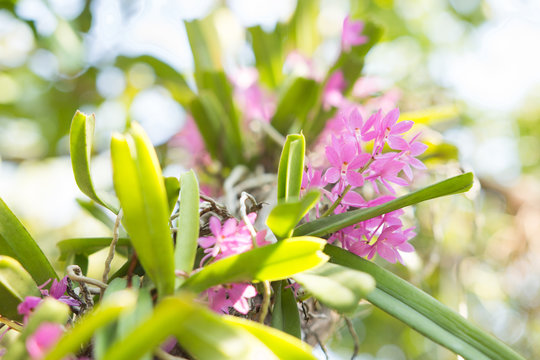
(351, 35)
(43, 339)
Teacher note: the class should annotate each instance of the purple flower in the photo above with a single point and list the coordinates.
(344, 160)
(388, 244)
(389, 130)
(43, 339)
(57, 290)
(385, 169)
(254, 102)
(351, 35)
(229, 239)
(407, 156)
(333, 91)
(223, 297)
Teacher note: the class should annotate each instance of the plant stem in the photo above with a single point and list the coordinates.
(112, 249)
(266, 302)
(337, 202)
(10, 323)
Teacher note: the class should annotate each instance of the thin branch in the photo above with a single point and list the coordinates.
(266, 302)
(74, 273)
(10, 323)
(243, 199)
(272, 132)
(354, 335)
(112, 249)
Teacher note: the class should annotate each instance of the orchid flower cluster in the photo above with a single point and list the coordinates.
(357, 157)
(229, 239)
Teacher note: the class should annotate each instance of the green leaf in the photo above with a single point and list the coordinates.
(285, 216)
(204, 44)
(330, 224)
(285, 314)
(203, 334)
(106, 336)
(294, 104)
(81, 135)
(188, 225)
(221, 136)
(139, 185)
(86, 246)
(424, 313)
(303, 27)
(282, 344)
(165, 75)
(16, 242)
(338, 287)
(291, 168)
(96, 211)
(172, 187)
(15, 284)
(272, 262)
(108, 311)
(269, 55)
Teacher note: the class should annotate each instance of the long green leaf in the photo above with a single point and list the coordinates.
(108, 311)
(16, 242)
(87, 246)
(273, 262)
(291, 168)
(282, 344)
(333, 223)
(81, 134)
(204, 44)
(106, 336)
(97, 212)
(15, 284)
(269, 55)
(304, 35)
(221, 137)
(285, 314)
(172, 187)
(285, 216)
(294, 104)
(338, 287)
(139, 185)
(188, 225)
(203, 334)
(165, 75)
(424, 313)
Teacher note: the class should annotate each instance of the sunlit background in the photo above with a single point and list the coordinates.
(477, 253)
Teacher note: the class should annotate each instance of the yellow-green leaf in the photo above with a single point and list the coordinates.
(139, 184)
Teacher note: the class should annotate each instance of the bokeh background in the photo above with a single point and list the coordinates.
(475, 59)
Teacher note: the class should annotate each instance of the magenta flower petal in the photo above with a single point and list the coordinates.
(401, 127)
(417, 164)
(417, 148)
(206, 242)
(332, 156)
(397, 143)
(43, 339)
(215, 226)
(28, 305)
(354, 178)
(331, 175)
(229, 227)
